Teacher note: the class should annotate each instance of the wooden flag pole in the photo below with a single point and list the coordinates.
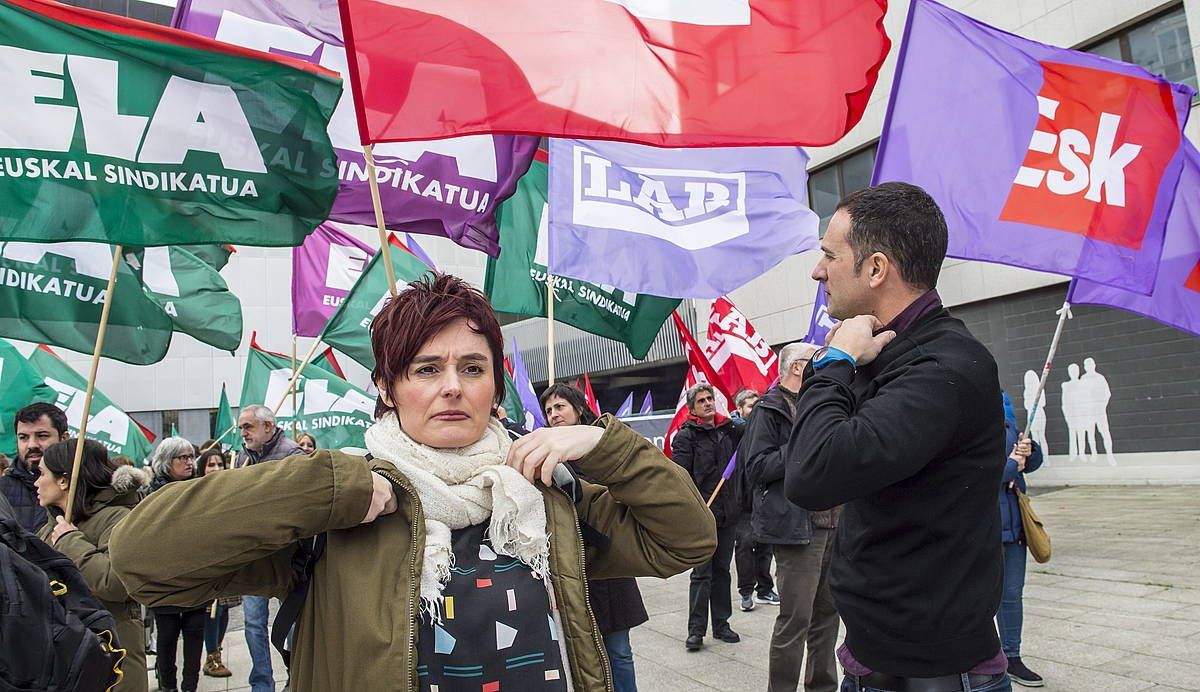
(91, 387)
(549, 329)
(296, 376)
(293, 388)
(377, 203)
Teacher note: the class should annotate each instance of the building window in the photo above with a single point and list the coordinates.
(1160, 44)
(157, 11)
(829, 184)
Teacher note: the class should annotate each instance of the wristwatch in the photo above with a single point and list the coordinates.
(828, 355)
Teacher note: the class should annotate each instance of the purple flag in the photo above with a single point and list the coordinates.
(529, 401)
(680, 223)
(626, 407)
(1040, 157)
(419, 251)
(647, 406)
(728, 472)
(449, 187)
(1176, 297)
(324, 270)
(820, 323)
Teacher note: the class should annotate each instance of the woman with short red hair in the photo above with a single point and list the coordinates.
(454, 557)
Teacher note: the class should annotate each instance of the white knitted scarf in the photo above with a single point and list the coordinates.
(465, 487)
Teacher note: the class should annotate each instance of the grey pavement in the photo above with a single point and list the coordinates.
(1116, 609)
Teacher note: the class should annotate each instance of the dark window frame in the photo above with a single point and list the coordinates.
(1123, 43)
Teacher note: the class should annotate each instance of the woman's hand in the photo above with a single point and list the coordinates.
(537, 454)
(61, 528)
(383, 498)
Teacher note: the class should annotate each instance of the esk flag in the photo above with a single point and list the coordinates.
(740, 355)
(107, 423)
(696, 73)
(327, 407)
(693, 223)
(516, 281)
(117, 130)
(20, 385)
(1040, 157)
(349, 330)
(1176, 296)
(324, 269)
(447, 187)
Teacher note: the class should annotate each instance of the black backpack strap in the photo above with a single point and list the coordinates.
(303, 563)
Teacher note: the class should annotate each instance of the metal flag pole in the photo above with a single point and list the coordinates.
(1064, 314)
(549, 329)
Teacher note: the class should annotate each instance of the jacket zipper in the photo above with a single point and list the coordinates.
(587, 596)
(416, 578)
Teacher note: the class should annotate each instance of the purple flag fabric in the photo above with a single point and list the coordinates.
(324, 270)
(1176, 297)
(647, 406)
(626, 408)
(419, 251)
(1040, 157)
(820, 323)
(679, 223)
(529, 401)
(728, 472)
(450, 187)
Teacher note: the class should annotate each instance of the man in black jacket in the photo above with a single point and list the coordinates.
(900, 419)
(703, 446)
(37, 426)
(801, 541)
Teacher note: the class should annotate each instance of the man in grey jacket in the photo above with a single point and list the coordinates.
(263, 439)
(802, 541)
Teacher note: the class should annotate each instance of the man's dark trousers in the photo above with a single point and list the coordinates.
(711, 584)
(753, 560)
(807, 614)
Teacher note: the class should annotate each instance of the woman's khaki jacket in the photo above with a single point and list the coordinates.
(234, 533)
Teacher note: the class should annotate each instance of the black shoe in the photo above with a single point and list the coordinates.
(1021, 675)
(727, 635)
(747, 603)
(694, 642)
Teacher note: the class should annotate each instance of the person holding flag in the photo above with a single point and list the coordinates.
(37, 426)
(703, 447)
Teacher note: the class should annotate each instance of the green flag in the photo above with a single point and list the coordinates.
(53, 293)
(216, 256)
(328, 407)
(20, 385)
(174, 431)
(349, 330)
(516, 282)
(107, 424)
(225, 421)
(192, 293)
(115, 130)
(512, 399)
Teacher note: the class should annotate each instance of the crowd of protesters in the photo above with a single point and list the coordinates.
(464, 549)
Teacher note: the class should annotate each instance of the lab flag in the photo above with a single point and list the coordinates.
(693, 223)
(626, 408)
(20, 385)
(820, 322)
(447, 187)
(349, 330)
(696, 73)
(226, 424)
(121, 131)
(740, 355)
(699, 370)
(516, 281)
(327, 407)
(1176, 296)
(107, 424)
(1039, 157)
(647, 406)
(534, 418)
(324, 269)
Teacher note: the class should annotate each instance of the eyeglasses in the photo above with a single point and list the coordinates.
(185, 457)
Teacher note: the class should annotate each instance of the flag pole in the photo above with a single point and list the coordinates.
(91, 388)
(1064, 314)
(724, 477)
(377, 203)
(293, 388)
(549, 329)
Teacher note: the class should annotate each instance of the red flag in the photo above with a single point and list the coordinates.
(696, 73)
(585, 385)
(742, 358)
(699, 370)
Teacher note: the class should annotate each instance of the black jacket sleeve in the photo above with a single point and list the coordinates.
(763, 446)
(683, 452)
(841, 450)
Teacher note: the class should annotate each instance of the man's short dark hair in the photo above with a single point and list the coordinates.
(34, 412)
(904, 223)
(572, 396)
